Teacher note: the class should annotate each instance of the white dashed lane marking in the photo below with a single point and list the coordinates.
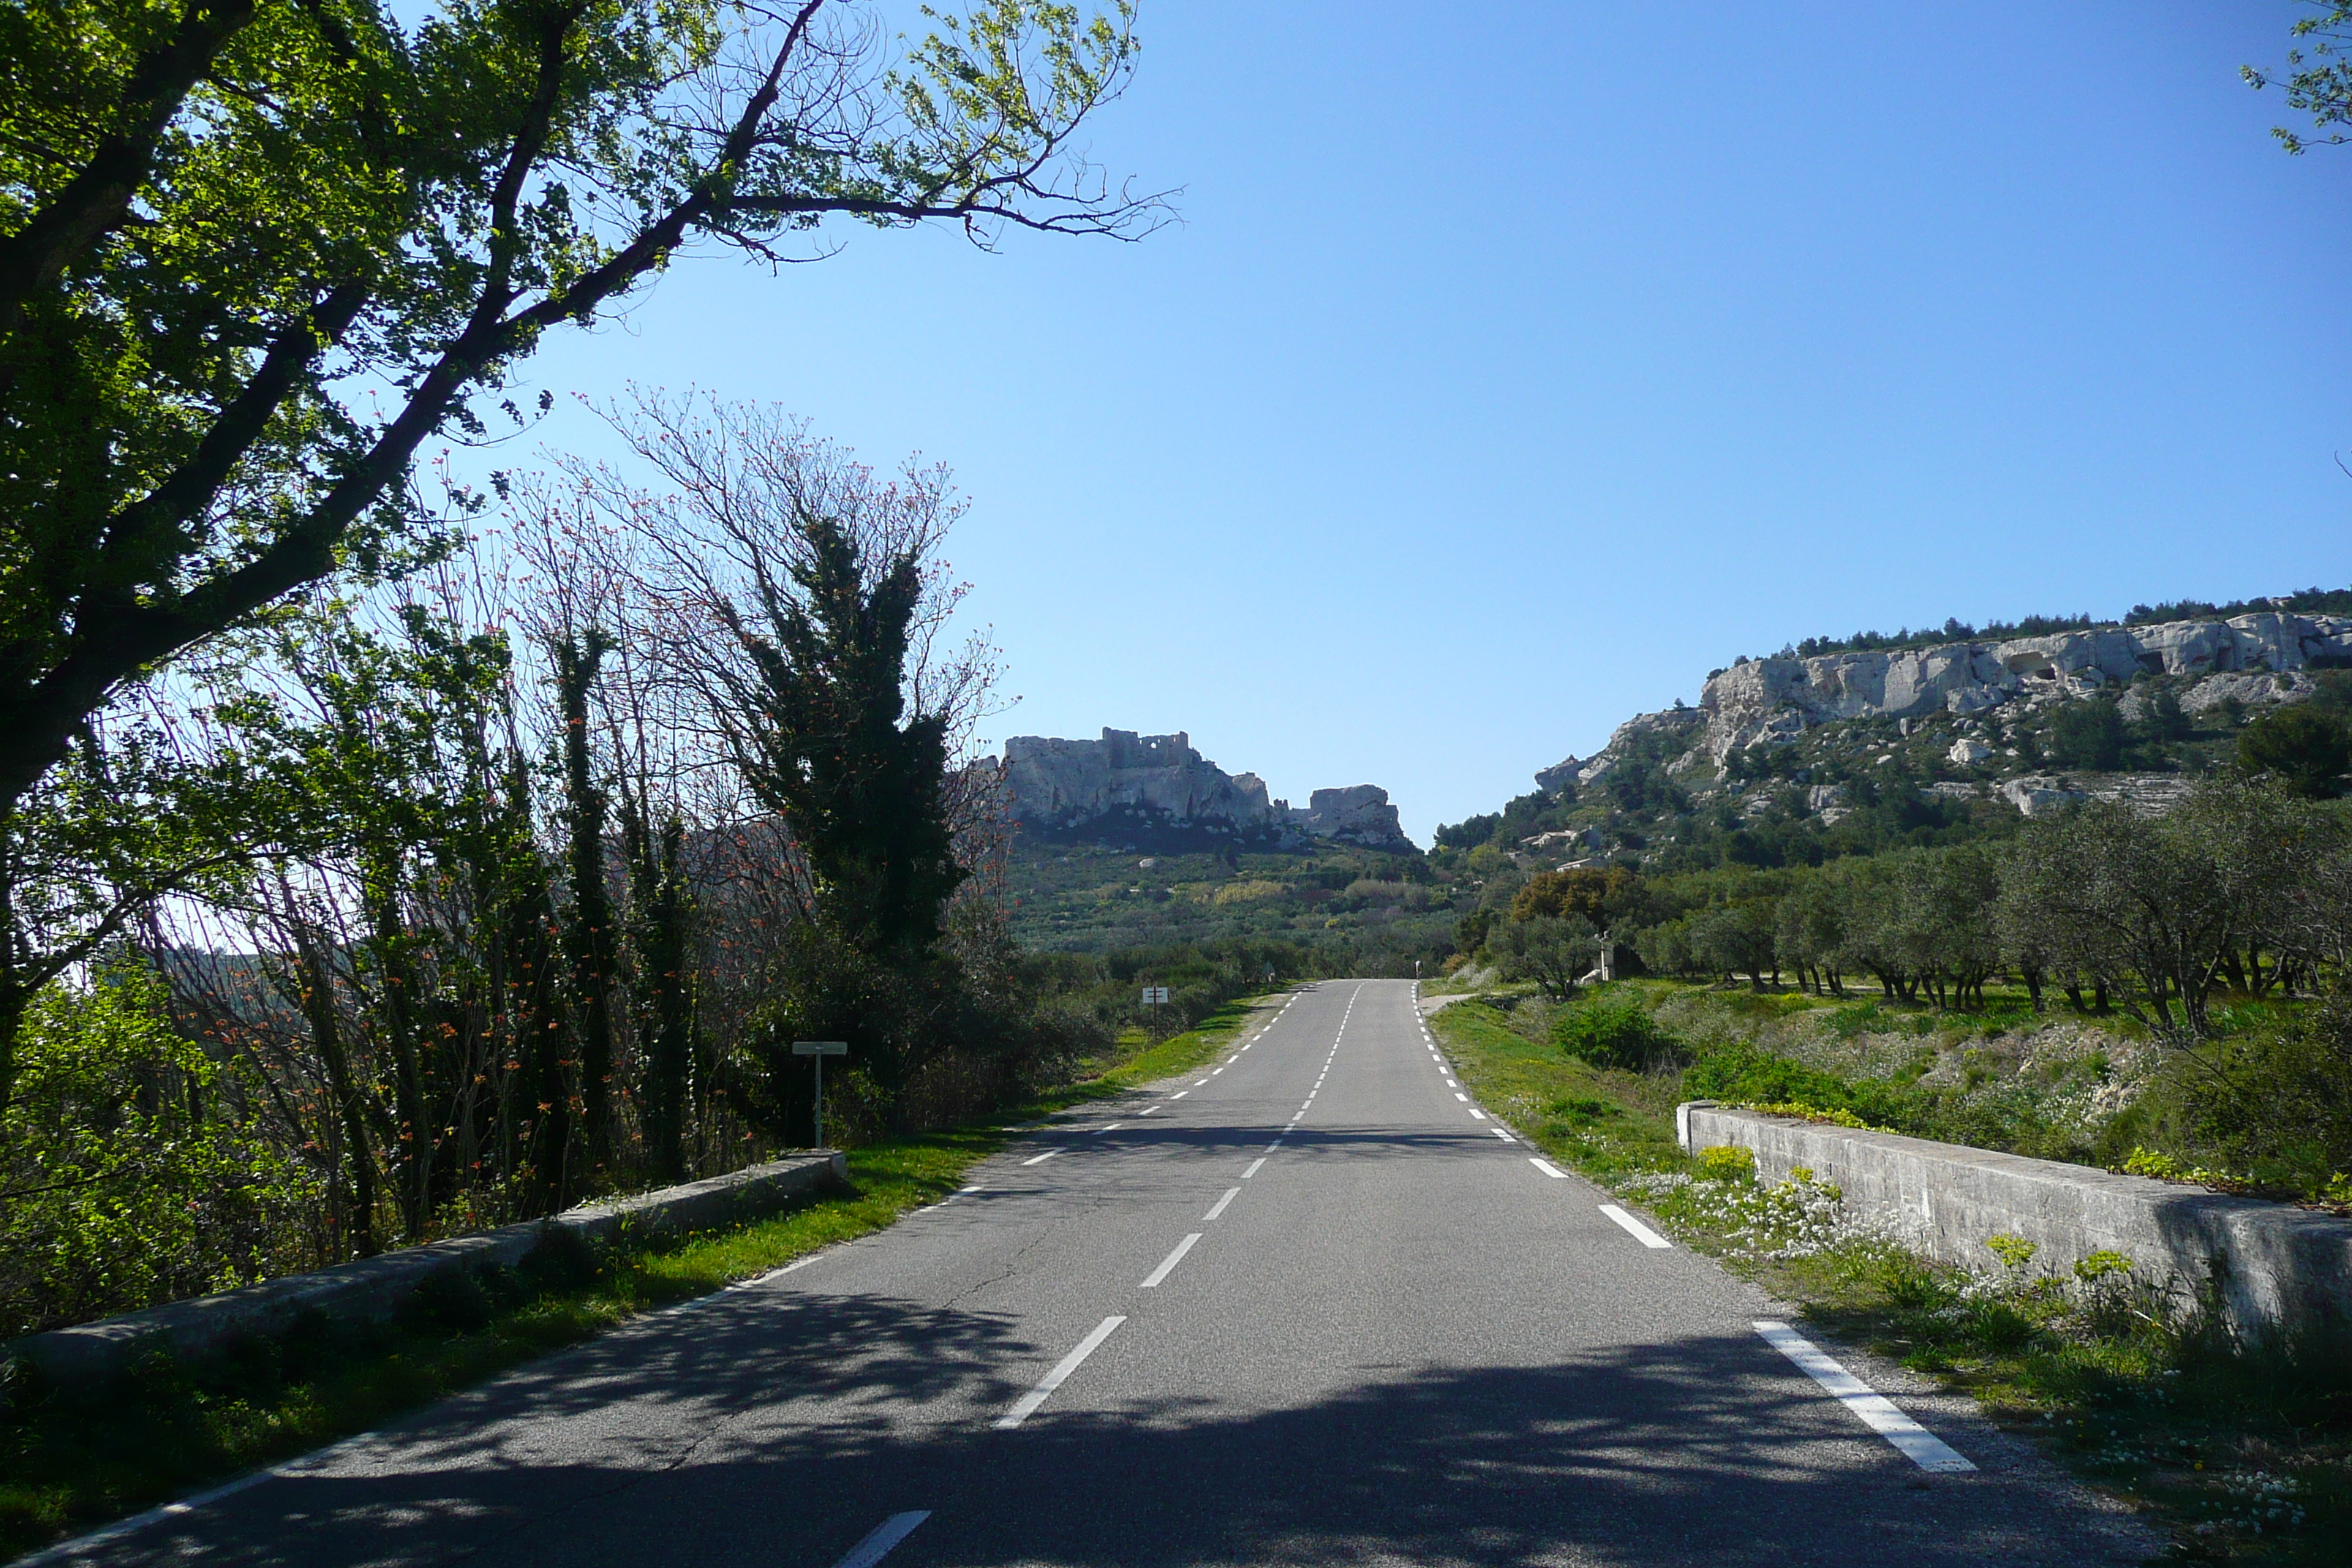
(1026, 1406)
(1874, 1410)
(882, 1537)
(1635, 1228)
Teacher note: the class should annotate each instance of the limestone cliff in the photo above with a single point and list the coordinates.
(1139, 787)
(2254, 660)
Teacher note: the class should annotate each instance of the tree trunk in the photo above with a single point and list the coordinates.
(327, 1036)
(590, 936)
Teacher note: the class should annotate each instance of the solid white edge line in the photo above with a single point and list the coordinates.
(882, 1537)
(1548, 1168)
(1254, 1167)
(1231, 1193)
(1026, 1406)
(1873, 1409)
(1635, 1228)
(1041, 1159)
(1168, 1264)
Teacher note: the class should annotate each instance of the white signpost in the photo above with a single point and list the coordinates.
(820, 1049)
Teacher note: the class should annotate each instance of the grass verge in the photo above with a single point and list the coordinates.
(2241, 1454)
(72, 1463)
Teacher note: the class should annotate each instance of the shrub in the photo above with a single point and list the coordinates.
(2273, 1106)
(1612, 1032)
(1726, 1164)
(132, 1174)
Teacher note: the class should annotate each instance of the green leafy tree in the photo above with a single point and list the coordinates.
(1735, 938)
(123, 1181)
(2154, 909)
(2317, 79)
(825, 741)
(1556, 951)
(2307, 750)
(229, 228)
(2088, 735)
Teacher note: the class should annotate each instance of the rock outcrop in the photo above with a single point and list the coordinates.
(2253, 659)
(2257, 661)
(1158, 789)
(1361, 814)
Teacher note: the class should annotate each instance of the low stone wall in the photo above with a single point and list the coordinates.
(2272, 1266)
(374, 1287)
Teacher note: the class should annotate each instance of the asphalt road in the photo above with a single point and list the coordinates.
(1331, 1313)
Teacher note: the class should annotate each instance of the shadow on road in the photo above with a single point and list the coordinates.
(776, 1429)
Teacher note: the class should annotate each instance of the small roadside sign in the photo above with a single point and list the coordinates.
(820, 1049)
(1155, 996)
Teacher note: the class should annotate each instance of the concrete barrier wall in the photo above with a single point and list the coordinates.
(2274, 1265)
(372, 1288)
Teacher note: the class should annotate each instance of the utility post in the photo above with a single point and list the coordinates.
(817, 1051)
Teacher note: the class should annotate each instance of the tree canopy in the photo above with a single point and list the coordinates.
(253, 253)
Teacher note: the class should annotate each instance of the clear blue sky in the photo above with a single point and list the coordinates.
(1514, 366)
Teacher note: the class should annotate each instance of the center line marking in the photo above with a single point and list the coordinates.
(1112, 1127)
(1026, 1406)
(1548, 1168)
(1253, 1166)
(1179, 1094)
(1635, 1228)
(1878, 1412)
(1148, 1110)
(1169, 1263)
(1230, 1193)
(1198, 1084)
(882, 1537)
(1042, 1158)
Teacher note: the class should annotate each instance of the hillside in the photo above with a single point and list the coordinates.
(1798, 758)
(1138, 841)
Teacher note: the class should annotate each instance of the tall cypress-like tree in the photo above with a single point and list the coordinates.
(588, 934)
(832, 748)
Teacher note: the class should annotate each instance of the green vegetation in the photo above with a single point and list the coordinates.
(2242, 1454)
(2100, 981)
(512, 934)
(1337, 909)
(255, 256)
(72, 1461)
(1865, 786)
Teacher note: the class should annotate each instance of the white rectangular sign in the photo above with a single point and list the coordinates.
(820, 1048)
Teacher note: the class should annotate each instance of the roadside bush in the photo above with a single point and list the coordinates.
(1739, 1071)
(129, 1174)
(1611, 1032)
(2271, 1107)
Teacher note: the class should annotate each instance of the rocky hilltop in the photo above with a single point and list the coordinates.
(1155, 789)
(2251, 660)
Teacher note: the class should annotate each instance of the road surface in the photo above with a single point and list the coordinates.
(1309, 1304)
